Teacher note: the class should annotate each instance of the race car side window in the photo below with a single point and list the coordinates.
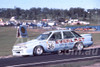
(76, 34)
(67, 35)
(56, 36)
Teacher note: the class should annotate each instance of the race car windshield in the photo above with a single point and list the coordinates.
(44, 36)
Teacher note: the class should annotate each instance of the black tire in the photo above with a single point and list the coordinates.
(38, 50)
(78, 46)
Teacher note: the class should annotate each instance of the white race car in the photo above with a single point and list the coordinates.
(53, 41)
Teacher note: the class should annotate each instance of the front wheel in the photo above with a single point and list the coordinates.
(38, 50)
(79, 46)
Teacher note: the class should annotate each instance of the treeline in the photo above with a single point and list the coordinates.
(44, 13)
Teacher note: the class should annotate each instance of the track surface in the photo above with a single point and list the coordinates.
(50, 58)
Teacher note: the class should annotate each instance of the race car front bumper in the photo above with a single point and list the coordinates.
(20, 51)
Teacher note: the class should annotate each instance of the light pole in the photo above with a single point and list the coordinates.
(89, 16)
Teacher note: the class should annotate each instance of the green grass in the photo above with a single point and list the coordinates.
(7, 39)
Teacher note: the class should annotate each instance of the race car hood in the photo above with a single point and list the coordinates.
(32, 42)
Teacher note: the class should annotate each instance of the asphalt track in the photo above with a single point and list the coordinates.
(44, 59)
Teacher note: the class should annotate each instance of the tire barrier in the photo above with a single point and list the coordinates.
(22, 32)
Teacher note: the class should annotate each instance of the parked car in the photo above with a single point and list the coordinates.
(53, 41)
(31, 25)
(10, 23)
(2, 24)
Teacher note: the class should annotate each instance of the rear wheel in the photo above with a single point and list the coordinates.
(38, 50)
(79, 46)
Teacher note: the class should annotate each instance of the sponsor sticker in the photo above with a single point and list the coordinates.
(69, 40)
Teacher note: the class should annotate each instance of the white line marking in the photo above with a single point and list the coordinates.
(52, 61)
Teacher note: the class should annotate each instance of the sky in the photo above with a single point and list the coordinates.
(56, 4)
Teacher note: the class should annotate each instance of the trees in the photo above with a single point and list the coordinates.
(76, 12)
(44, 13)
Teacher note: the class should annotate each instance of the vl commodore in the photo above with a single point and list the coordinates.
(53, 41)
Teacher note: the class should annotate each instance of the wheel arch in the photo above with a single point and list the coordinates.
(77, 43)
(37, 46)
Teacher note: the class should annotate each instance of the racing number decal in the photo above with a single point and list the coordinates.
(50, 45)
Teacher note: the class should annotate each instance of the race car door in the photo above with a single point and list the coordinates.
(68, 39)
(54, 43)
